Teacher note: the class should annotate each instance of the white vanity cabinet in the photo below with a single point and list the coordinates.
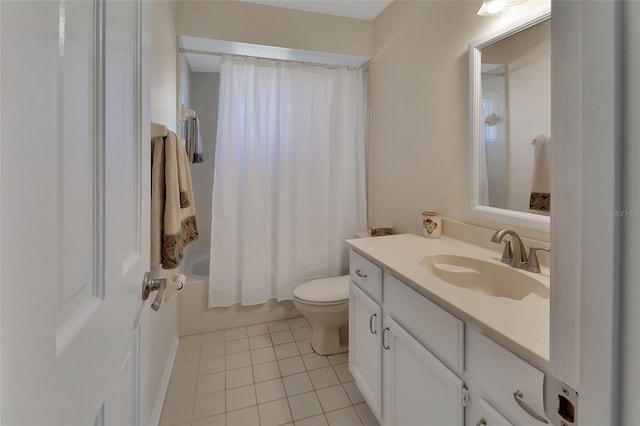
(403, 381)
(411, 359)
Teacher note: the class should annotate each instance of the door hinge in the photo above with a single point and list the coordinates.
(466, 397)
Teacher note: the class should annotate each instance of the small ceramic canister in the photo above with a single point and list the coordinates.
(432, 224)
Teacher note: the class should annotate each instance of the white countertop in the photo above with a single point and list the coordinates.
(522, 326)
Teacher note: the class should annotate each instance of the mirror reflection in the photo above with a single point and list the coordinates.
(516, 121)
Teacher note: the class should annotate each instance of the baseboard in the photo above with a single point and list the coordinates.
(164, 384)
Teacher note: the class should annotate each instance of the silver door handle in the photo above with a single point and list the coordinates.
(149, 284)
(384, 338)
(517, 395)
(360, 274)
(371, 318)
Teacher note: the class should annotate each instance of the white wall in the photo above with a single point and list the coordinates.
(204, 99)
(163, 324)
(274, 26)
(184, 85)
(419, 99)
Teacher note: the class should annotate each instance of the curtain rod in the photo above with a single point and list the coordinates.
(274, 60)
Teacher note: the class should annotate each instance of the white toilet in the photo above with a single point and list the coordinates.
(325, 303)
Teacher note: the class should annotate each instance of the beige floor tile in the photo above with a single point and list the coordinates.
(194, 341)
(183, 371)
(244, 417)
(367, 417)
(242, 397)
(344, 417)
(333, 398)
(257, 330)
(235, 346)
(185, 355)
(209, 405)
(210, 383)
(297, 384)
(270, 391)
(274, 413)
(354, 393)
(277, 326)
(342, 370)
(218, 420)
(305, 405)
(304, 346)
(257, 342)
(179, 390)
(210, 350)
(211, 365)
(302, 333)
(266, 371)
(290, 366)
(313, 361)
(236, 333)
(286, 351)
(282, 337)
(215, 337)
(313, 421)
(237, 360)
(298, 322)
(176, 412)
(259, 356)
(339, 358)
(323, 377)
(239, 377)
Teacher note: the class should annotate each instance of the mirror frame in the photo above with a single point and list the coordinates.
(512, 217)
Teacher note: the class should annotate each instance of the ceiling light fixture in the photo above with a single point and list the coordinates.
(496, 7)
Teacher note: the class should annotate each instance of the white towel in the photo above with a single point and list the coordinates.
(541, 182)
(193, 140)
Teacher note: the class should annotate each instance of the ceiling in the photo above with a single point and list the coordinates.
(359, 9)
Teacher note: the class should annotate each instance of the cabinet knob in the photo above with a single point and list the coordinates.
(482, 422)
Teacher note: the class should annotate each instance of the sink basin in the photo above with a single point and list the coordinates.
(484, 277)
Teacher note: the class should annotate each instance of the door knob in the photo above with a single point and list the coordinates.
(149, 284)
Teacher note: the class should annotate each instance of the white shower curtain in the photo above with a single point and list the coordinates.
(289, 183)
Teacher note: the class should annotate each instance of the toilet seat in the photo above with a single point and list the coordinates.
(324, 291)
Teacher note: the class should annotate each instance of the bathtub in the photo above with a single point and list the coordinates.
(196, 317)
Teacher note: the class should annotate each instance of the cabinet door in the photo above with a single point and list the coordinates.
(418, 389)
(365, 350)
(483, 414)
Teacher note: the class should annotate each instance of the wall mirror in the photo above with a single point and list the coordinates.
(510, 81)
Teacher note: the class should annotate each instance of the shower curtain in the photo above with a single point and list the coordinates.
(289, 182)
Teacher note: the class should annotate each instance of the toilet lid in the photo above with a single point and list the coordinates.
(324, 290)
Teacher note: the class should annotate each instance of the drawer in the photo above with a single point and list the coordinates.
(483, 414)
(435, 328)
(500, 376)
(366, 275)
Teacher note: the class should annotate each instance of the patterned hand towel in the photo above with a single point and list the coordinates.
(173, 221)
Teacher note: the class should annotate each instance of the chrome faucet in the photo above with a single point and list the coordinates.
(516, 257)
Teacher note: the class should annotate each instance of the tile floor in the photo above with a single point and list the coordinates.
(263, 375)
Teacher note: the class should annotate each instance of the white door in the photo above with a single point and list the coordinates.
(74, 229)
(419, 390)
(365, 350)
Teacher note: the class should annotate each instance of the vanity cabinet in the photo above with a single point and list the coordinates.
(411, 359)
(365, 348)
(403, 382)
(418, 388)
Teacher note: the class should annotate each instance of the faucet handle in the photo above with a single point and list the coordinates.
(507, 253)
(532, 264)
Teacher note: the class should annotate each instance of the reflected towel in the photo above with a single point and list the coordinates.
(173, 222)
(541, 182)
(193, 140)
